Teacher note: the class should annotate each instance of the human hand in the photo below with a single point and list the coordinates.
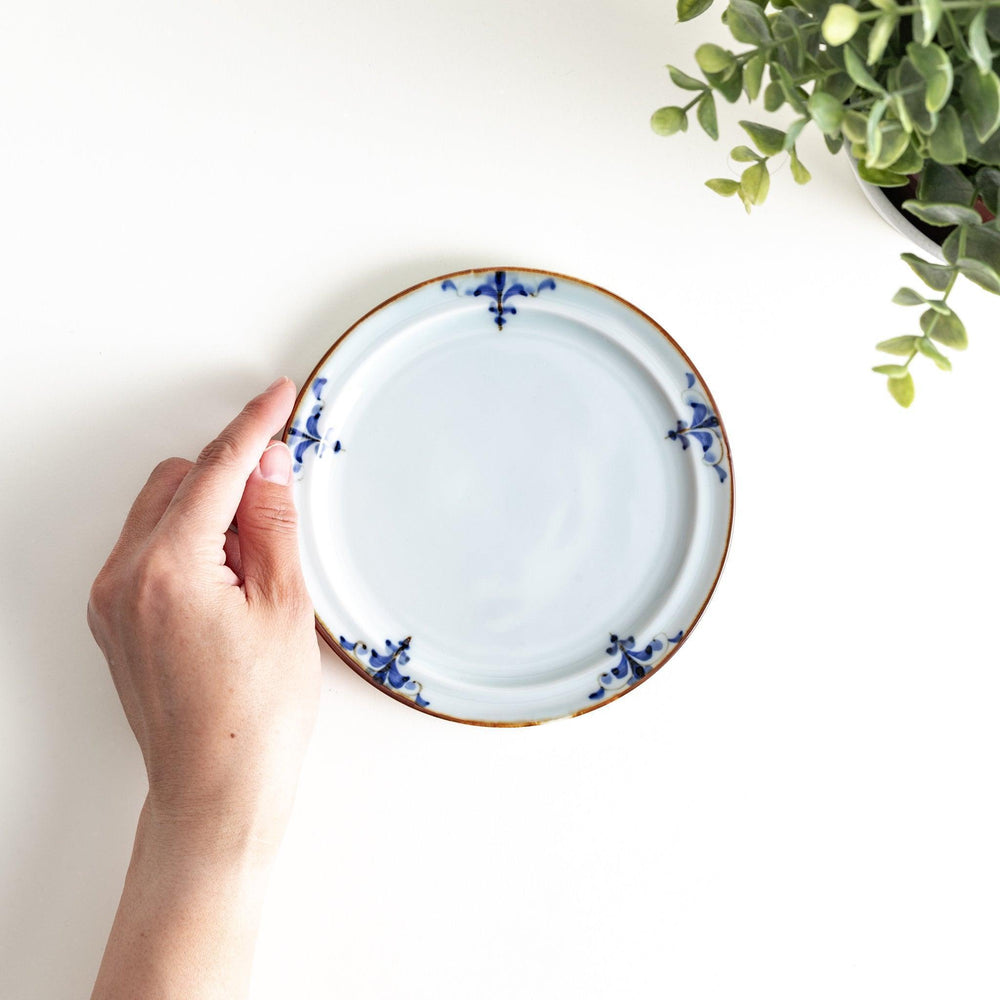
(210, 636)
(211, 642)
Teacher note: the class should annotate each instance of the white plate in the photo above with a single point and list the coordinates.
(515, 496)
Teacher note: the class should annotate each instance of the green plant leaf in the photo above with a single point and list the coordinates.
(993, 23)
(744, 154)
(799, 173)
(859, 74)
(893, 371)
(940, 306)
(902, 112)
(725, 186)
(746, 23)
(979, 45)
(854, 126)
(840, 24)
(980, 273)
(684, 81)
(942, 213)
(945, 329)
(667, 121)
(881, 178)
(707, 117)
(838, 85)
(791, 49)
(912, 92)
(713, 58)
(879, 38)
(988, 187)
(928, 350)
(908, 162)
(753, 74)
(894, 142)
(794, 131)
(755, 183)
(981, 94)
(902, 390)
(978, 242)
(827, 112)
(768, 140)
(930, 18)
(934, 65)
(886, 5)
(936, 276)
(873, 135)
(939, 85)
(908, 297)
(688, 9)
(946, 144)
(939, 182)
(774, 96)
(986, 153)
(729, 83)
(793, 94)
(902, 346)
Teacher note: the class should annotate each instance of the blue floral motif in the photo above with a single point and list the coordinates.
(309, 435)
(633, 664)
(704, 428)
(501, 293)
(383, 668)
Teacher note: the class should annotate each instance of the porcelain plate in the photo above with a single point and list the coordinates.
(515, 496)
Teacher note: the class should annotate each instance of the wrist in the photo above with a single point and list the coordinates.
(182, 845)
(189, 912)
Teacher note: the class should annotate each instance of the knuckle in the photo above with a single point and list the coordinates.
(101, 597)
(155, 579)
(139, 589)
(276, 515)
(254, 406)
(170, 469)
(224, 450)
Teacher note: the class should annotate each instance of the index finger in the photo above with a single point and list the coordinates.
(206, 501)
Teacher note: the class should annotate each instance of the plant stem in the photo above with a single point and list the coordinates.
(959, 37)
(951, 284)
(744, 57)
(912, 89)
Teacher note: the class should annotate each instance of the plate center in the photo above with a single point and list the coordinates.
(506, 498)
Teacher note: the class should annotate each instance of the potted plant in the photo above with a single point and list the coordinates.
(911, 91)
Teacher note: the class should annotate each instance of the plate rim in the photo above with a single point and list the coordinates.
(672, 648)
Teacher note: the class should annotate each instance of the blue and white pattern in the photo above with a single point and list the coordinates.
(704, 428)
(309, 436)
(362, 511)
(501, 291)
(633, 663)
(383, 668)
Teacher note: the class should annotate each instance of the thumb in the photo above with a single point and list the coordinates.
(268, 529)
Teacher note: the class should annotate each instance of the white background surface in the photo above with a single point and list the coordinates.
(196, 197)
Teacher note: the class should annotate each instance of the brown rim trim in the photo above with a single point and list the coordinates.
(332, 642)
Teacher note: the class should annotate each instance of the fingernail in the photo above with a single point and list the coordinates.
(276, 463)
(276, 383)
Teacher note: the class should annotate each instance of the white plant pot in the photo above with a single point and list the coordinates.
(877, 197)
